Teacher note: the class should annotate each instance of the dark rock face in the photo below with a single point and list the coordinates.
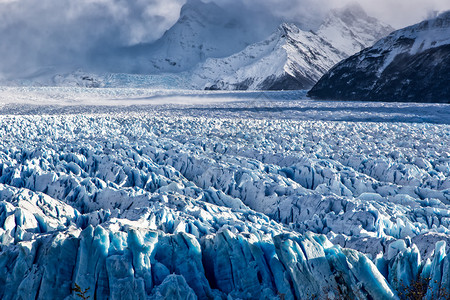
(286, 82)
(389, 72)
(272, 83)
(424, 77)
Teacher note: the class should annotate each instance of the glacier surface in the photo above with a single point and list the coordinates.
(147, 194)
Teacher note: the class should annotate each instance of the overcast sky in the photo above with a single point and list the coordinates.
(45, 31)
(401, 13)
(397, 13)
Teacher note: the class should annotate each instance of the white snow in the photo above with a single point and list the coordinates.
(288, 51)
(350, 29)
(305, 55)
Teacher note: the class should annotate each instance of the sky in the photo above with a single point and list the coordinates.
(39, 33)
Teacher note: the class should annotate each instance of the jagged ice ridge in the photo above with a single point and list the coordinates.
(152, 204)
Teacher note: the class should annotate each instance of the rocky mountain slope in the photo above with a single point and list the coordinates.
(411, 64)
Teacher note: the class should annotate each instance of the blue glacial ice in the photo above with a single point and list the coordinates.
(178, 203)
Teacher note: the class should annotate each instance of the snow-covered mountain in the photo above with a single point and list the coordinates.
(411, 64)
(203, 30)
(350, 29)
(289, 59)
(212, 47)
(292, 58)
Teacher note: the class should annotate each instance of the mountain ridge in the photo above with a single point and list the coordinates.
(299, 57)
(289, 59)
(209, 48)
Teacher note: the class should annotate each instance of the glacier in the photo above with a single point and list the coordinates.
(153, 194)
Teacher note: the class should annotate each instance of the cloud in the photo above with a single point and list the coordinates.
(401, 13)
(36, 34)
(67, 32)
(398, 13)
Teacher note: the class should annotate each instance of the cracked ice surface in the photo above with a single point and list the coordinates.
(238, 200)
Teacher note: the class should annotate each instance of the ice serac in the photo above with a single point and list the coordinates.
(411, 64)
(137, 264)
(293, 58)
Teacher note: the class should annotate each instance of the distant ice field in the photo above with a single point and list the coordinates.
(230, 104)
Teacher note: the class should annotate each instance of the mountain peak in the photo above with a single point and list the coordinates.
(350, 29)
(352, 14)
(204, 30)
(287, 28)
(292, 58)
(353, 9)
(197, 10)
